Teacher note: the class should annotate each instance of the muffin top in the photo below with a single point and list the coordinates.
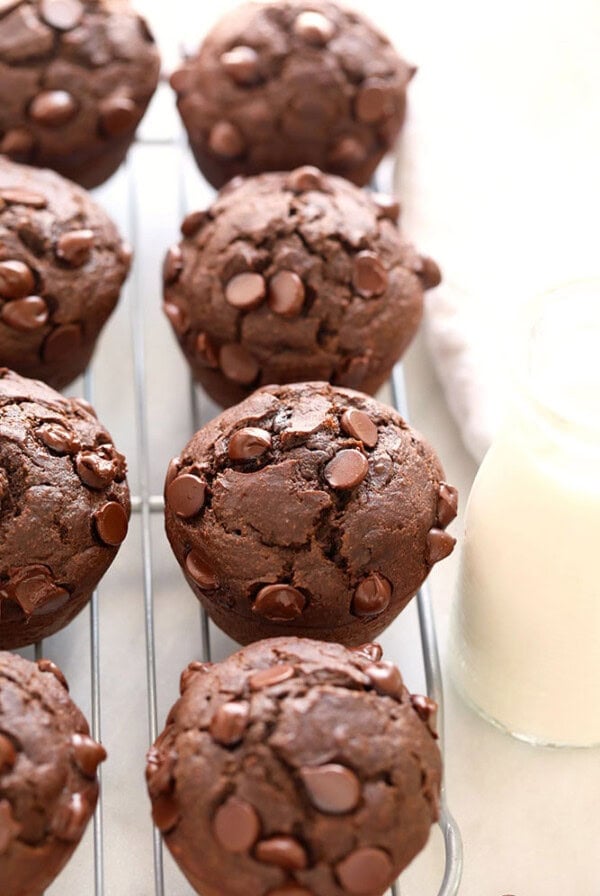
(308, 509)
(282, 84)
(64, 500)
(48, 784)
(296, 764)
(62, 265)
(296, 276)
(74, 75)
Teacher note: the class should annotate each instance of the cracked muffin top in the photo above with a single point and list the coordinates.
(290, 277)
(307, 510)
(295, 768)
(280, 84)
(76, 77)
(64, 507)
(48, 783)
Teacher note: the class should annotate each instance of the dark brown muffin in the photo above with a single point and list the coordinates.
(64, 508)
(292, 277)
(295, 768)
(277, 85)
(48, 783)
(62, 266)
(76, 77)
(307, 510)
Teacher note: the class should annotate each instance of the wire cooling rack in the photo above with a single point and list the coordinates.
(123, 663)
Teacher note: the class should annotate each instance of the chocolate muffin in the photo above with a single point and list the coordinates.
(295, 768)
(76, 77)
(292, 277)
(281, 84)
(64, 508)
(307, 510)
(48, 783)
(62, 266)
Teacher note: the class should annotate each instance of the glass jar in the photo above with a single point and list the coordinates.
(525, 631)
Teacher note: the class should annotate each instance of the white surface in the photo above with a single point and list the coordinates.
(486, 191)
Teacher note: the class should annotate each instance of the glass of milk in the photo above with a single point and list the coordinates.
(525, 632)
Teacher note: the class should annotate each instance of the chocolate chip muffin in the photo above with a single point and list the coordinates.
(264, 781)
(48, 783)
(76, 77)
(281, 84)
(307, 510)
(64, 508)
(62, 266)
(292, 277)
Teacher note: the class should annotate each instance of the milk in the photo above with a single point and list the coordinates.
(525, 634)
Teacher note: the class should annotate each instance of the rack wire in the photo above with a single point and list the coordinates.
(145, 506)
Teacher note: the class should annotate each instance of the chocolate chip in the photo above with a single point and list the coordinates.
(9, 827)
(21, 196)
(62, 342)
(111, 523)
(8, 754)
(75, 247)
(365, 871)
(347, 469)
(173, 265)
(332, 788)
(52, 668)
(99, 467)
(249, 443)
(71, 818)
(179, 317)
(347, 153)
(226, 140)
(182, 79)
(285, 852)
(192, 669)
(386, 679)
(370, 277)
(17, 142)
(371, 652)
(266, 678)
(165, 812)
(430, 274)
(373, 102)
(286, 294)
(389, 206)
(279, 603)
(372, 596)
(447, 506)
(118, 115)
(359, 425)
(314, 28)
(193, 222)
(25, 315)
(241, 64)
(236, 825)
(305, 179)
(34, 589)
(206, 351)
(439, 545)
(87, 754)
(229, 723)
(246, 291)
(58, 438)
(200, 572)
(185, 495)
(53, 108)
(237, 364)
(426, 709)
(61, 14)
(16, 279)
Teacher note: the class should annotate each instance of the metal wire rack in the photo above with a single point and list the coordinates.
(146, 506)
